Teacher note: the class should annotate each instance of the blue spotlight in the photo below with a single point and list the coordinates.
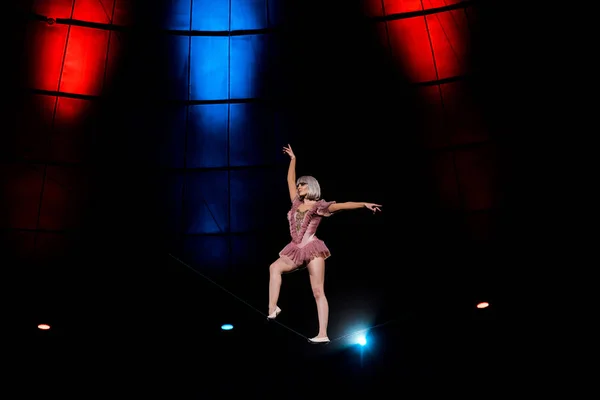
(362, 340)
(227, 327)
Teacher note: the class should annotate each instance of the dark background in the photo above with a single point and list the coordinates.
(136, 234)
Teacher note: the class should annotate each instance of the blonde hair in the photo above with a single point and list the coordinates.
(314, 189)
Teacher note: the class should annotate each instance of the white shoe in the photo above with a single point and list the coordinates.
(275, 313)
(318, 340)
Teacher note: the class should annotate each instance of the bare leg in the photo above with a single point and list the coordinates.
(275, 270)
(316, 271)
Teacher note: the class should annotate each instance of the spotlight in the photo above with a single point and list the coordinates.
(227, 327)
(483, 304)
(362, 340)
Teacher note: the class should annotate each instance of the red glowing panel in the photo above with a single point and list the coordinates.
(401, 6)
(71, 124)
(46, 47)
(85, 61)
(62, 201)
(404, 6)
(21, 187)
(99, 11)
(411, 49)
(449, 39)
(33, 126)
(478, 177)
(444, 175)
(464, 120)
(53, 8)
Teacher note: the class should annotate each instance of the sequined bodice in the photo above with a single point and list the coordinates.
(304, 224)
(299, 219)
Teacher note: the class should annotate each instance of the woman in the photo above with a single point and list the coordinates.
(305, 249)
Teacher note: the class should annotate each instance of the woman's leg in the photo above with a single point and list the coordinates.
(275, 270)
(316, 271)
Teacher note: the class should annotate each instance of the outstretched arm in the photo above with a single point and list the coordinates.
(291, 176)
(351, 205)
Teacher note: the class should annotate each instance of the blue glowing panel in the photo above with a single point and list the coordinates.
(248, 60)
(177, 66)
(176, 15)
(210, 15)
(206, 202)
(207, 136)
(170, 189)
(209, 69)
(251, 139)
(250, 188)
(206, 252)
(248, 14)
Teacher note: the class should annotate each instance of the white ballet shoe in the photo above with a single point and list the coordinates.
(275, 313)
(318, 340)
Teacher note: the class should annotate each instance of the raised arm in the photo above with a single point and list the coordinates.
(352, 205)
(291, 176)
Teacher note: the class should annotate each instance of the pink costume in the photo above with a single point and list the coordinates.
(303, 225)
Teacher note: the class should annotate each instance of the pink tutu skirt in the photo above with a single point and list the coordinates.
(303, 255)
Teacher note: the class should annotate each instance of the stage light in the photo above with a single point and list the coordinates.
(483, 304)
(227, 327)
(362, 340)
(44, 327)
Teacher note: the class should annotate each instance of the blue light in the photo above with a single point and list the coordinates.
(209, 68)
(210, 15)
(214, 69)
(251, 136)
(206, 203)
(247, 54)
(361, 339)
(248, 14)
(207, 136)
(227, 327)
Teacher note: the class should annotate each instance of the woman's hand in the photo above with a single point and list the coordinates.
(288, 150)
(373, 207)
